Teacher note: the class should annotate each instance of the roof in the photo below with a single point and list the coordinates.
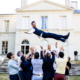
(7, 14)
(41, 1)
(76, 12)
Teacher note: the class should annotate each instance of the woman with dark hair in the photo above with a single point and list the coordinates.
(26, 65)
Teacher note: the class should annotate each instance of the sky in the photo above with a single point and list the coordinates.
(9, 6)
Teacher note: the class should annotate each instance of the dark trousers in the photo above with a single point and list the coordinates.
(54, 73)
(21, 75)
(14, 77)
(52, 35)
(47, 77)
(59, 77)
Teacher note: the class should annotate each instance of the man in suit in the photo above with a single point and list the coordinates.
(48, 65)
(43, 34)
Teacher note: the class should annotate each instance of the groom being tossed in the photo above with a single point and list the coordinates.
(43, 34)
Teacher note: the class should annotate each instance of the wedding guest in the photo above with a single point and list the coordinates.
(13, 67)
(37, 67)
(26, 65)
(20, 73)
(57, 50)
(48, 65)
(68, 66)
(60, 65)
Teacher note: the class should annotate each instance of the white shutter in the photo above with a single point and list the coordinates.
(6, 26)
(63, 22)
(26, 23)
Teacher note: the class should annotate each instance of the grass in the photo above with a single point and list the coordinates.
(6, 77)
(75, 61)
(74, 77)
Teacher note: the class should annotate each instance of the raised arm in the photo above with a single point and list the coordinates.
(65, 54)
(41, 53)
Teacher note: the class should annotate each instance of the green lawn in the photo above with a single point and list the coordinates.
(6, 77)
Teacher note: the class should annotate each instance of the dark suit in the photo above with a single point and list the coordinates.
(26, 65)
(49, 35)
(48, 66)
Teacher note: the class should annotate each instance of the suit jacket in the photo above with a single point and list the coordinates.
(26, 65)
(48, 64)
(38, 32)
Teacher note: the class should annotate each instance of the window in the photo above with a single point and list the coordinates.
(6, 26)
(4, 47)
(26, 23)
(44, 22)
(25, 47)
(63, 22)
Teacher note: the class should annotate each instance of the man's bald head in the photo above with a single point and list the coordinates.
(49, 47)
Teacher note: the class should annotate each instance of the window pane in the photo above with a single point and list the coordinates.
(25, 42)
(44, 22)
(27, 49)
(6, 26)
(4, 47)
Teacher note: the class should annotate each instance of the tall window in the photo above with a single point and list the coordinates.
(26, 23)
(6, 26)
(63, 22)
(44, 22)
(4, 47)
(25, 47)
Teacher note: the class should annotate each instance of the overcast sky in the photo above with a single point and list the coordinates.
(9, 6)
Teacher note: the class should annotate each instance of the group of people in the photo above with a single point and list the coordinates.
(46, 65)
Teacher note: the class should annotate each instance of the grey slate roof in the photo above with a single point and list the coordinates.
(76, 12)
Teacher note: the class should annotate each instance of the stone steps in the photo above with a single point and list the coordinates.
(4, 67)
(75, 70)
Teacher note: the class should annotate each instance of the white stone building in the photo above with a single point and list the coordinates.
(50, 17)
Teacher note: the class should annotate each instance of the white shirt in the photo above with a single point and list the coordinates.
(37, 66)
(57, 50)
(19, 60)
(31, 31)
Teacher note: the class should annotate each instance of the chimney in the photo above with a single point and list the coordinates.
(67, 3)
(24, 3)
(74, 4)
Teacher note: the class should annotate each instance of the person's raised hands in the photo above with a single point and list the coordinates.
(41, 47)
(56, 44)
(61, 48)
